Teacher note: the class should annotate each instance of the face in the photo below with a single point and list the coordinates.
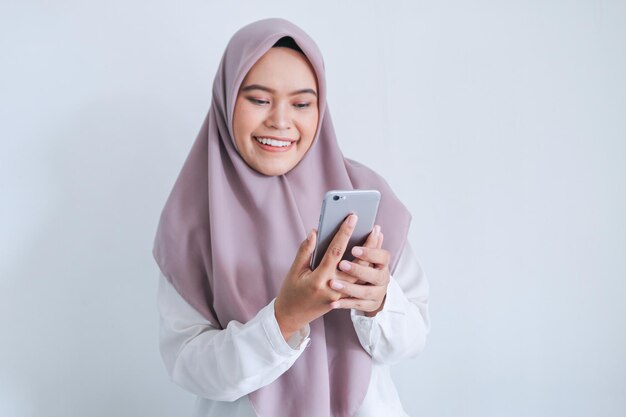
(276, 113)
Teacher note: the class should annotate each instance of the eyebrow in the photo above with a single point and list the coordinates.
(271, 90)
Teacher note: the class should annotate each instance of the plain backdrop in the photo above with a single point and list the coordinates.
(501, 125)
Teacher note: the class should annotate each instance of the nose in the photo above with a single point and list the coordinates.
(278, 117)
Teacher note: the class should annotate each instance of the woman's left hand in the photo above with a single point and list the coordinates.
(371, 268)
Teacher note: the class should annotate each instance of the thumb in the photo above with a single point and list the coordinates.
(303, 257)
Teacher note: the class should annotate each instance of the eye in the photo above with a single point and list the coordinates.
(302, 105)
(260, 102)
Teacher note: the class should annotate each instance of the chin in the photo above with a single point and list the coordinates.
(273, 171)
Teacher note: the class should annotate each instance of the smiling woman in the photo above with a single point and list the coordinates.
(276, 111)
(239, 304)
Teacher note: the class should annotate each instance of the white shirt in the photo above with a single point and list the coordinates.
(222, 366)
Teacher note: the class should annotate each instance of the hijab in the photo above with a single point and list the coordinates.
(228, 234)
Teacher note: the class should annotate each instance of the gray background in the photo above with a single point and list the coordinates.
(501, 126)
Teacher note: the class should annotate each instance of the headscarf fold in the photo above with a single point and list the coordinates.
(228, 234)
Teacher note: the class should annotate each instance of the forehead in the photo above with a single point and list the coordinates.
(282, 67)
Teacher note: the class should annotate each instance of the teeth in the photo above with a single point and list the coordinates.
(273, 142)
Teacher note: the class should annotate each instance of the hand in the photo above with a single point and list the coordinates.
(371, 242)
(305, 295)
(371, 269)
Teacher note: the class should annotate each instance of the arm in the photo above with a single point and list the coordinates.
(399, 330)
(227, 364)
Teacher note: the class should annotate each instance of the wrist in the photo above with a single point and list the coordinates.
(287, 325)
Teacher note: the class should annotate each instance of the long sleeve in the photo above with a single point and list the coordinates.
(399, 330)
(227, 364)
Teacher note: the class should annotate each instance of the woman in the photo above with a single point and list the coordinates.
(245, 324)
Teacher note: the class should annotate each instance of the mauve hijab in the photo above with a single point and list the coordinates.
(228, 234)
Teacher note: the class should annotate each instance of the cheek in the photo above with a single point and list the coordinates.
(309, 124)
(308, 130)
(237, 122)
(243, 125)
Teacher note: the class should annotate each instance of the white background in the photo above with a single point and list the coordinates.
(501, 125)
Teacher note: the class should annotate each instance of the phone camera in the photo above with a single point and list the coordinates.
(336, 197)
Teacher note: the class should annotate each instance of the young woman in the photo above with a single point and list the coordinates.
(245, 323)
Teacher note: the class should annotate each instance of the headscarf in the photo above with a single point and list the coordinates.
(228, 234)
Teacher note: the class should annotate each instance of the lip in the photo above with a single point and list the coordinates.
(269, 148)
(275, 137)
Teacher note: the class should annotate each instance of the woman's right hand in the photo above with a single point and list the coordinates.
(305, 294)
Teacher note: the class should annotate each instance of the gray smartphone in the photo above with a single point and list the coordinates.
(336, 206)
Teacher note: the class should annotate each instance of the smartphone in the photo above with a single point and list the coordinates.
(336, 206)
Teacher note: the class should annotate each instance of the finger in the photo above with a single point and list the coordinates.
(372, 238)
(364, 274)
(378, 257)
(371, 242)
(363, 292)
(380, 241)
(303, 256)
(339, 243)
(345, 277)
(356, 303)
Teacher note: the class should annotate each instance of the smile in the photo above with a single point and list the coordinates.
(274, 145)
(273, 142)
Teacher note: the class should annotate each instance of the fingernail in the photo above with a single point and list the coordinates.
(345, 265)
(357, 251)
(352, 220)
(336, 285)
(309, 236)
(377, 229)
